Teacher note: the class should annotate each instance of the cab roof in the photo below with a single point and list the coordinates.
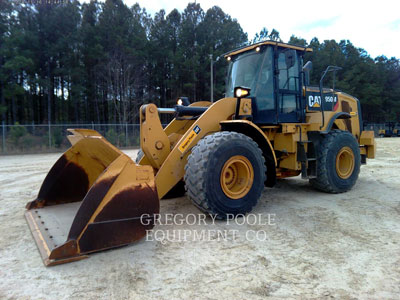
(274, 43)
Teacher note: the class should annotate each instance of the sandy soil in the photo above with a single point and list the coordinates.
(320, 245)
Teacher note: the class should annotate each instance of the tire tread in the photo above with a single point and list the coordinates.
(196, 167)
(322, 182)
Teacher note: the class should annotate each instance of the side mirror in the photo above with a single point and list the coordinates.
(307, 69)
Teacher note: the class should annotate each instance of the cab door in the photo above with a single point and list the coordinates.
(288, 86)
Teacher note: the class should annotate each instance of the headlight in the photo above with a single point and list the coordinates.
(241, 92)
(183, 101)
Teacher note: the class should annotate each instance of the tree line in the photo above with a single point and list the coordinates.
(99, 61)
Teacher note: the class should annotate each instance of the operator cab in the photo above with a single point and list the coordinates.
(272, 71)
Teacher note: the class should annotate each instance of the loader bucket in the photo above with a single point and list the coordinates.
(94, 198)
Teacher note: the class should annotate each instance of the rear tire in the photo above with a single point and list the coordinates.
(225, 174)
(338, 162)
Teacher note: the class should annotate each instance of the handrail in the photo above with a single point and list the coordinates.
(328, 69)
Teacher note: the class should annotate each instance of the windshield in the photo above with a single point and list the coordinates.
(243, 72)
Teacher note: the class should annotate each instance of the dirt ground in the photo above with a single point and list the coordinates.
(316, 245)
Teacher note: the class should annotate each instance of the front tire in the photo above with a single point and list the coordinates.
(225, 174)
(338, 162)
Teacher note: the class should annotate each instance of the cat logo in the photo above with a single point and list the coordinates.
(314, 101)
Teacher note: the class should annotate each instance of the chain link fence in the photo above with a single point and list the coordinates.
(33, 138)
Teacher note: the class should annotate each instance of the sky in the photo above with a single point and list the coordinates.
(371, 25)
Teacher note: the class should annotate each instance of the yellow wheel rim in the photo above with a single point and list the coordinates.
(237, 177)
(345, 162)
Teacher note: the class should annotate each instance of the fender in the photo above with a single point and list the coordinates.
(339, 115)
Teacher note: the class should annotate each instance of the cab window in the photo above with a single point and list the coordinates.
(288, 83)
(265, 84)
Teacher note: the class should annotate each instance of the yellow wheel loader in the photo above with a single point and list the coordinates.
(270, 125)
(390, 130)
